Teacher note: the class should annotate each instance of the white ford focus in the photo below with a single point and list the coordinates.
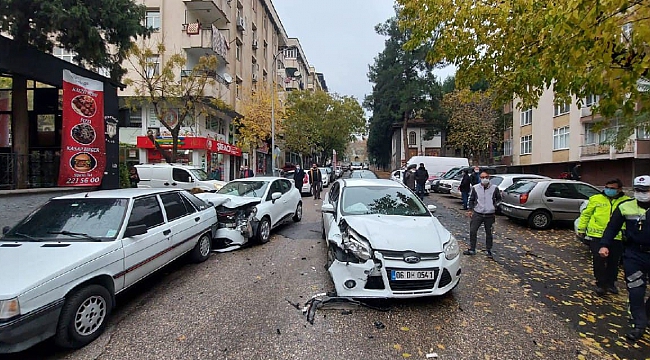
(383, 242)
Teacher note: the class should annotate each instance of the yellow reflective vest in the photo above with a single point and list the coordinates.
(596, 215)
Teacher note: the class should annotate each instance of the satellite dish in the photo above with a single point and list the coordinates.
(296, 73)
(227, 78)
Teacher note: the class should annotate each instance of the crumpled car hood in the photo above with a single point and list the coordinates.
(228, 201)
(422, 234)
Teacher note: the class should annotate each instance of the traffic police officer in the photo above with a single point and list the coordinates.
(636, 257)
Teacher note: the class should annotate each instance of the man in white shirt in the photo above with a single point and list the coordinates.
(483, 200)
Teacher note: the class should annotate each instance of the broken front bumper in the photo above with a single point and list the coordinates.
(372, 278)
(232, 236)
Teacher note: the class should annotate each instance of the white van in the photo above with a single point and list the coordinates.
(437, 164)
(176, 176)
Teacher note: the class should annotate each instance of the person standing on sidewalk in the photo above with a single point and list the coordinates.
(636, 254)
(465, 187)
(593, 221)
(483, 202)
(298, 177)
(421, 177)
(315, 180)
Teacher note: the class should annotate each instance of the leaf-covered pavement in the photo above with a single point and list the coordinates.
(555, 269)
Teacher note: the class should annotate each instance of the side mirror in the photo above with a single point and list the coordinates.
(276, 195)
(189, 179)
(327, 208)
(432, 208)
(6, 229)
(135, 230)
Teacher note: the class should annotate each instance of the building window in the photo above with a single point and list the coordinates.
(238, 52)
(591, 100)
(526, 117)
(153, 66)
(526, 145)
(591, 137)
(64, 55)
(291, 53)
(412, 138)
(238, 89)
(561, 109)
(266, 51)
(507, 147)
(561, 138)
(152, 19)
(254, 5)
(135, 117)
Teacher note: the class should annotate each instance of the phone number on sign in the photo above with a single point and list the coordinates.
(80, 180)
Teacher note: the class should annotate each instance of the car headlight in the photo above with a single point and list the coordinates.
(451, 248)
(9, 308)
(217, 186)
(254, 210)
(356, 245)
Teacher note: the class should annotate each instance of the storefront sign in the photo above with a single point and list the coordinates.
(83, 147)
(191, 143)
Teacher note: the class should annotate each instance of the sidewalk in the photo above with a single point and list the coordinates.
(45, 190)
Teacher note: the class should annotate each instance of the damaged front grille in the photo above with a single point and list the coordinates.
(412, 285)
(238, 219)
(399, 255)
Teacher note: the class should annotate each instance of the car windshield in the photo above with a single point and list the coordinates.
(451, 173)
(253, 188)
(496, 180)
(86, 219)
(199, 174)
(363, 174)
(521, 187)
(386, 200)
(356, 164)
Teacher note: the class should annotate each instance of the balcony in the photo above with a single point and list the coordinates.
(220, 89)
(206, 42)
(633, 148)
(585, 111)
(213, 12)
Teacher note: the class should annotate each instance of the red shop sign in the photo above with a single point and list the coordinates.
(83, 147)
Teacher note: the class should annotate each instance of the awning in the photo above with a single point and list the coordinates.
(191, 143)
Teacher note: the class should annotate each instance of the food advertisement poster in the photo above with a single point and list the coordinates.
(83, 147)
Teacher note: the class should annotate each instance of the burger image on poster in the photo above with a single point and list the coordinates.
(83, 162)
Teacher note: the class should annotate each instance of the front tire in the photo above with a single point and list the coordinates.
(540, 219)
(264, 230)
(201, 251)
(84, 317)
(297, 216)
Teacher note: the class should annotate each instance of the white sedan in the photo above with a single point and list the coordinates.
(61, 267)
(250, 208)
(383, 242)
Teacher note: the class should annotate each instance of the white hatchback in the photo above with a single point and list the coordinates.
(61, 267)
(383, 242)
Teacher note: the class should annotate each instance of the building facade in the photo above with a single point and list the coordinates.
(418, 143)
(552, 137)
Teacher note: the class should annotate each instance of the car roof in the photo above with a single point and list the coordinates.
(361, 182)
(116, 194)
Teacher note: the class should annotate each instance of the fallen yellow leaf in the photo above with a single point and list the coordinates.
(406, 355)
(441, 347)
(397, 347)
(404, 328)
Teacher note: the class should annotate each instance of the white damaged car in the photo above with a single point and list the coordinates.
(249, 208)
(383, 242)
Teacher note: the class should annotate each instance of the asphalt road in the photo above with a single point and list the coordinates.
(533, 301)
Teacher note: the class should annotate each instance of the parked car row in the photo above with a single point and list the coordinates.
(61, 266)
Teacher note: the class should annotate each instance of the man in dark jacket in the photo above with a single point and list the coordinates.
(421, 177)
(298, 177)
(575, 172)
(475, 177)
(315, 180)
(409, 177)
(465, 187)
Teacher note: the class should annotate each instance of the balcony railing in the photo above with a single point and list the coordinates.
(585, 111)
(601, 149)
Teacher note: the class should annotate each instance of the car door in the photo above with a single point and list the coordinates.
(289, 197)
(276, 208)
(181, 179)
(144, 253)
(561, 199)
(332, 198)
(183, 220)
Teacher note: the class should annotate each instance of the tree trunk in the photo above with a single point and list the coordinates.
(20, 130)
(174, 145)
(405, 136)
(160, 149)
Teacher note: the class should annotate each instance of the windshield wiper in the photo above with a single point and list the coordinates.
(70, 233)
(28, 237)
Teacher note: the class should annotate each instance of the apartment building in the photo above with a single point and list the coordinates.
(551, 138)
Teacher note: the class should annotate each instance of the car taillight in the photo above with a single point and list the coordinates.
(523, 198)
(305, 179)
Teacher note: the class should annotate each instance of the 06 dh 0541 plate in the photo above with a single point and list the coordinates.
(412, 275)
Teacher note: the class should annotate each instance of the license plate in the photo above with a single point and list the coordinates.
(412, 275)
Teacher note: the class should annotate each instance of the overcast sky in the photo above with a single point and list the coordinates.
(339, 38)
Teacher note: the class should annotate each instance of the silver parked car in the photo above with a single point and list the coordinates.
(540, 202)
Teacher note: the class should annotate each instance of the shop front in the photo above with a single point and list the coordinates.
(214, 156)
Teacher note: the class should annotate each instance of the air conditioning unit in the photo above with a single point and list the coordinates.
(255, 44)
(255, 77)
(240, 23)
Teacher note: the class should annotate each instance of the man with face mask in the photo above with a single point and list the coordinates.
(636, 256)
(593, 220)
(483, 201)
(298, 177)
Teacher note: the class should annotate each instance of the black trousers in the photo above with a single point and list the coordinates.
(606, 269)
(637, 267)
(477, 219)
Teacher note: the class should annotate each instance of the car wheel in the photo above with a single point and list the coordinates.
(201, 251)
(540, 219)
(264, 230)
(297, 216)
(83, 317)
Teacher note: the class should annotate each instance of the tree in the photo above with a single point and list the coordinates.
(472, 122)
(99, 32)
(255, 126)
(177, 95)
(521, 48)
(404, 87)
(320, 122)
